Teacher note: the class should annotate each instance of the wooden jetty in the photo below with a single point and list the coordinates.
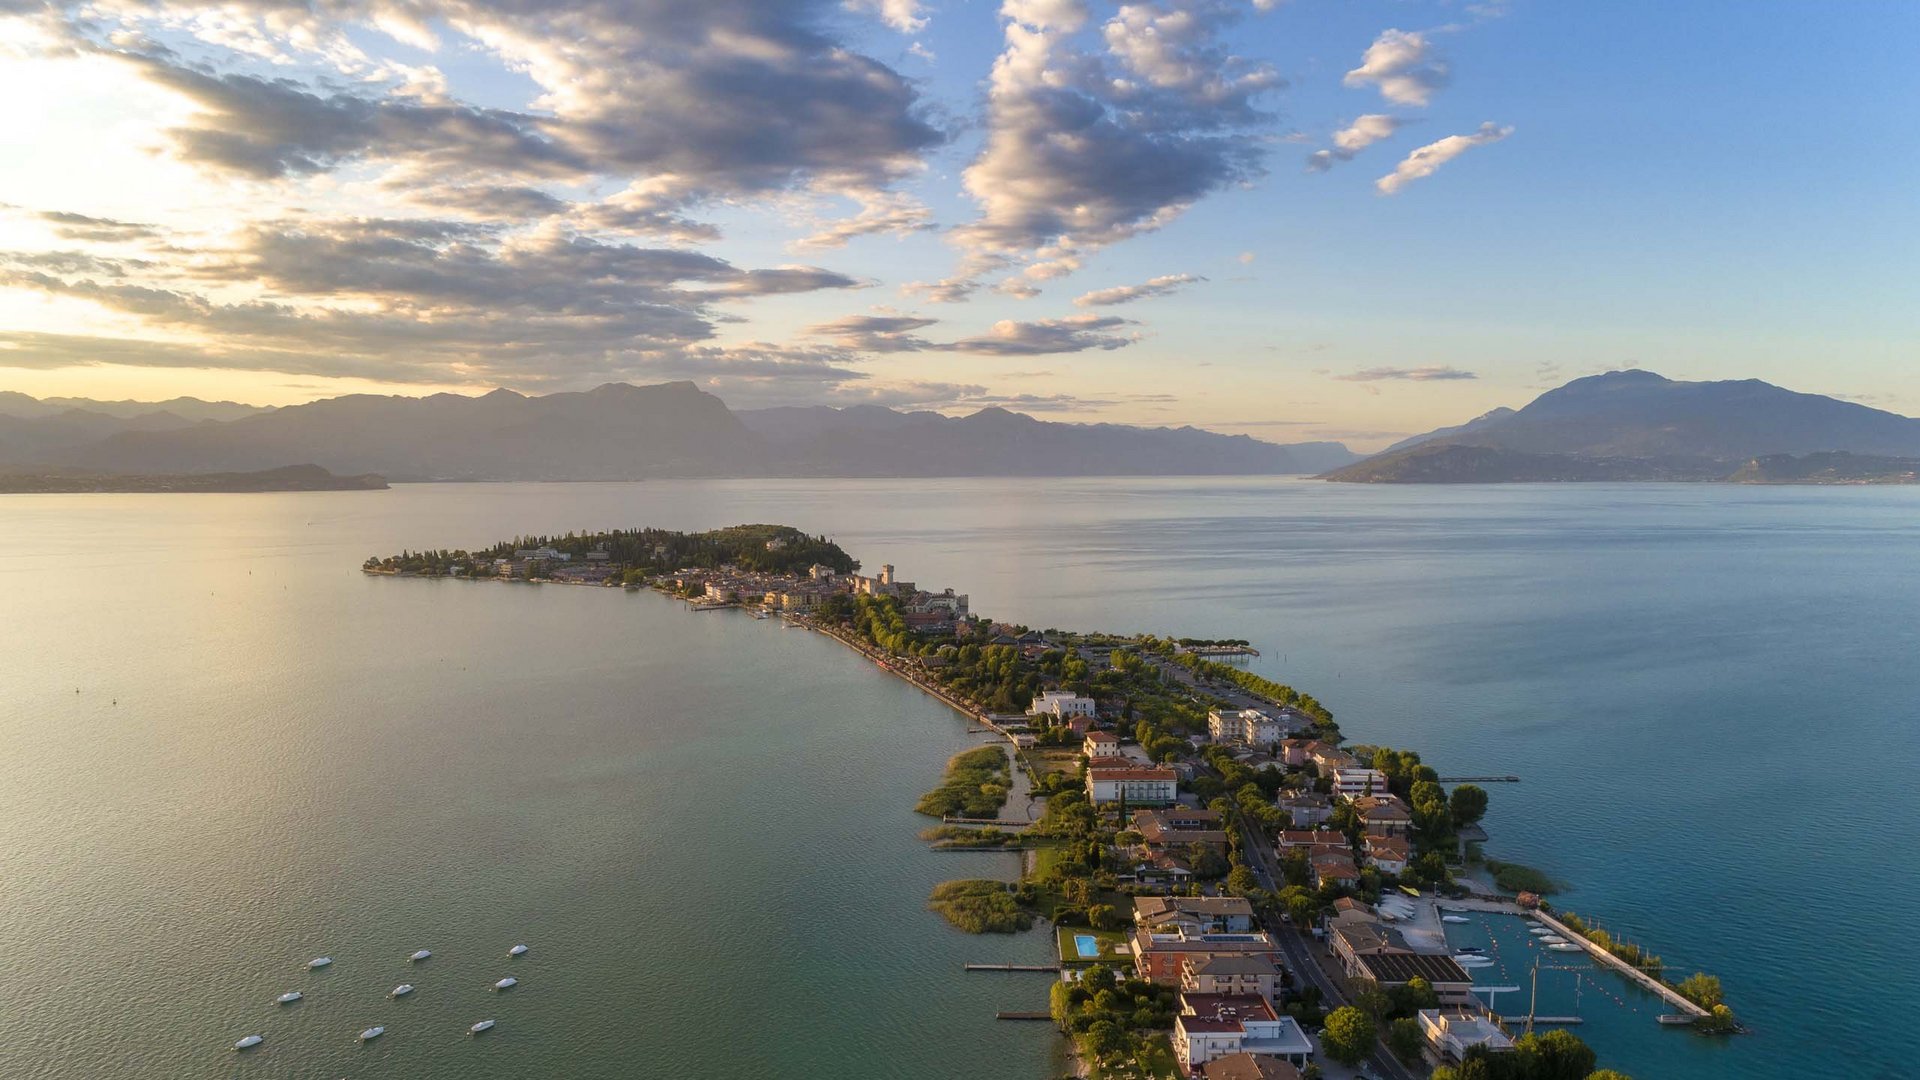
(1022, 1016)
(1523, 1020)
(1052, 969)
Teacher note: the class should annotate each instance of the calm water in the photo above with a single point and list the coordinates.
(700, 822)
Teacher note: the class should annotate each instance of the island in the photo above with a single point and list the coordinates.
(1189, 830)
(290, 478)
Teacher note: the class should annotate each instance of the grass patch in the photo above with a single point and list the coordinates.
(980, 906)
(975, 785)
(966, 836)
(1070, 954)
(1516, 878)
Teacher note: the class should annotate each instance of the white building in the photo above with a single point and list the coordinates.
(1102, 745)
(1452, 1032)
(1060, 704)
(1248, 727)
(1353, 783)
(1215, 1025)
(1139, 785)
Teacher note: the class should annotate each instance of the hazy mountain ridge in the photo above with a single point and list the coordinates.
(1636, 425)
(624, 432)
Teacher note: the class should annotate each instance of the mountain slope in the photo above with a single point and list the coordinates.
(13, 403)
(873, 441)
(1665, 428)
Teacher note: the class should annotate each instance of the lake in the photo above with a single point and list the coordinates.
(224, 751)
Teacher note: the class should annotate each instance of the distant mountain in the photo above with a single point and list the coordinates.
(623, 432)
(1829, 468)
(874, 441)
(291, 478)
(1638, 425)
(1478, 423)
(187, 408)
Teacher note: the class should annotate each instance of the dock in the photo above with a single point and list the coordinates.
(1478, 780)
(1527, 1020)
(1051, 969)
(1644, 980)
(1022, 1016)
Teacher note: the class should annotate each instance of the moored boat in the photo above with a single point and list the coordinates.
(319, 962)
(372, 1033)
(419, 956)
(249, 1041)
(1566, 946)
(401, 991)
(517, 950)
(480, 1027)
(288, 998)
(507, 983)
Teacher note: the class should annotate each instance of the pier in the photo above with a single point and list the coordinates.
(1645, 981)
(1022, 1016)
(1478, 780)
(1051, 969)
(1529, 1021)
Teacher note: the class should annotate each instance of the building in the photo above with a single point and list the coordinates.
(1333, 868)
(1383, 815)
(1307, 808)
(1313, 842)
(1247, 727)
(1354, 935)
(1249, 1067)
(1138, 785)
(1159, 832)
(1060, 704)
(1217, 1025)
(1390, 969)
(1354, 782)
(1101, 745)
(1452, 1032)
(1194, 915)
(1327, 758)
(1160, 954)
(1387, 854)
(1242, 976)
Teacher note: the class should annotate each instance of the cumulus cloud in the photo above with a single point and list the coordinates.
(1355, 137)
(1163, 285)
(1433, 373)
(1405, 67)
(1088, 146)
(906, 16)
(1427, 160)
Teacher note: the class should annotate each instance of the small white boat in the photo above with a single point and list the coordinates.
(402, 990)
(372, 1033)
(507, 983)
(1566, 946)
(517, 950)
(251, 1040)
(1539, 931)
(1552, 939)
(479, 1027)
(419, 956)
(1453, 918)
(319, 962)
(288, 998)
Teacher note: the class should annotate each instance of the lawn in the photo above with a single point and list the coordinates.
(1155, 1063)
(1069, 954)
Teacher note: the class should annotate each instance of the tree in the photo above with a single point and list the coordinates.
(1468, 805)
(1241, 882)
(1607, 1074)
(1205, 862)
(1097, 978)
(1556, 1055)
(1701, 988)
(1404, 1039)
(1107, 1038)
(1349, 1036)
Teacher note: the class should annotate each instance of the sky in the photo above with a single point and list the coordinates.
(1296, 219)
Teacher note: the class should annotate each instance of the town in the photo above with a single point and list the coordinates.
(1234, 891)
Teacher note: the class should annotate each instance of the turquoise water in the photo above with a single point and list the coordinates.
(1710, 692)
(1087, 946)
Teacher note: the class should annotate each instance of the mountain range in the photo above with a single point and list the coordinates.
(615, 432)
(1636, 425)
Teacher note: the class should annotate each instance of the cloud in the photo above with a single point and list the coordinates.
(1126, 294)
(1404, 66)
(1086, 147)
(1075, 333)
(1427, 160)
(1434, 373)
(1355, 137)
(906, 16)
(81, 227)
(876, 333)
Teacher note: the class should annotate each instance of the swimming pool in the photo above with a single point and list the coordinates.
(1087, 946)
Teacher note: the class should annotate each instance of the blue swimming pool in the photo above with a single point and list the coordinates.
(1087, 946)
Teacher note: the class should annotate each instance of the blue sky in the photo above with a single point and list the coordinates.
(455, 194)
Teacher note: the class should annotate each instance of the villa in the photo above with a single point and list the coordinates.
(1194, 915)
(1307, 808)
(1333, 868)
(1162, 834)
(1353, 782)
(1160, 955)
(1387, 854)
(1101, 744)
(1384, 815)
(1216, 1025)
(1060, 704)
(1243, 976)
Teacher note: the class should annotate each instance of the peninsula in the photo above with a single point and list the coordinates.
(1224, 874)
(290, 478)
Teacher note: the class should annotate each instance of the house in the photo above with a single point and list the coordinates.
(1383, 815)
(1135, 784)
(1079, 725)
(1314, 842)
(1355, 935)
(1390, 969)
(1326, 758)
(1101, 745)
(1245, 1066)
(1388, 854)
(1452, 1032)
(1333, 868)
(1060, 704)
(543, 552)
(1194, 915)
(1307, 808)
(1243, 976)
(1247, 727)
(1189, 817)
(1352, 783)
(1216, 1025)
(1160, 832)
